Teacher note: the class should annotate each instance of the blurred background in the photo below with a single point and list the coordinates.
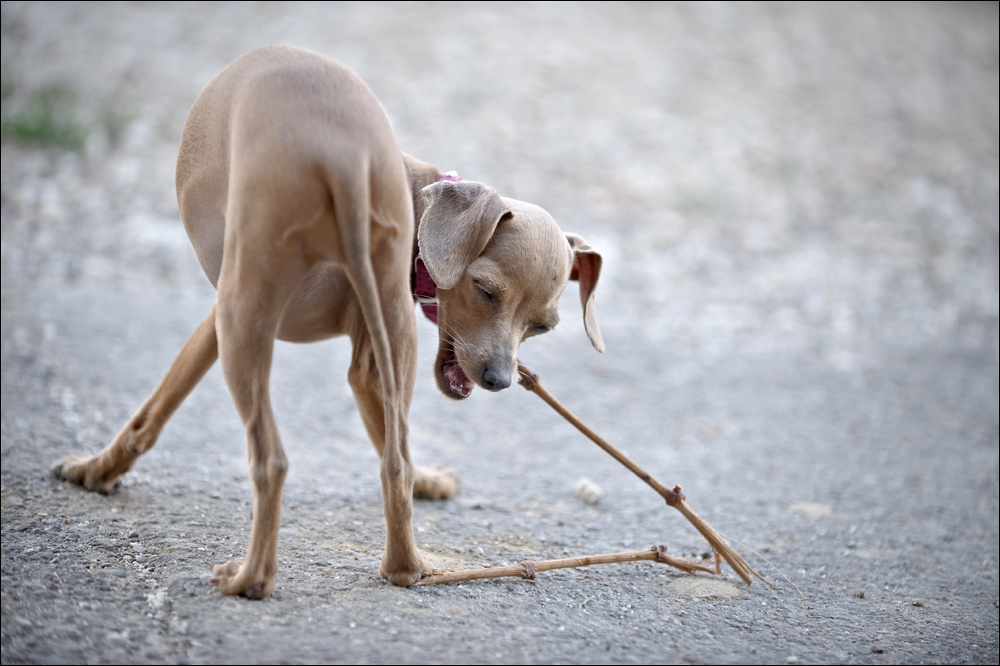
(758, 176)
(797, 205)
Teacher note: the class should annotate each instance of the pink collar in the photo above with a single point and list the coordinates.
(424, 289)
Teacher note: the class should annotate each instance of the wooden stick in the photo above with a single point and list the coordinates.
(530, 381)
(529, 568)
(673, 497)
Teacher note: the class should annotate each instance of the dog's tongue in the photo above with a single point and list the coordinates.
(457, 380)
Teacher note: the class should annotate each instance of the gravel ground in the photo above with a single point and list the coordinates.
(798, 210)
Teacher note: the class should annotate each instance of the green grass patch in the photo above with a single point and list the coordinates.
(44, 117)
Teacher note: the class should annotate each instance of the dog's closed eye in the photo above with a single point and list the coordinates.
(537, 329)
(487, 292)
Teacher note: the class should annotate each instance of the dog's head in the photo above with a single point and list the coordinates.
(500, 266)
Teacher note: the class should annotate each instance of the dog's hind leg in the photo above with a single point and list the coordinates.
(383, 370)
(100, 472)
(259, 274)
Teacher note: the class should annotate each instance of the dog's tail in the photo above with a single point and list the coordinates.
(352, 209)
(352, 206)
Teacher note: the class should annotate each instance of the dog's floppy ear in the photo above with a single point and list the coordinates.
(457, 223)
(587, 270)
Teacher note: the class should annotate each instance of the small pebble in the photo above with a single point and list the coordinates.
(589, 492)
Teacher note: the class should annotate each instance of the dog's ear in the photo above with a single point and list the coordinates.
(457, 223)
(587, 271)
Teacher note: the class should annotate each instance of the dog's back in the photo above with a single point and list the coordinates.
(292, 123)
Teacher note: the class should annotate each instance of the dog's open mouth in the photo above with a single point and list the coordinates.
(452, 380)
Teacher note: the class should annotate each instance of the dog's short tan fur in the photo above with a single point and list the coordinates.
(301, 209)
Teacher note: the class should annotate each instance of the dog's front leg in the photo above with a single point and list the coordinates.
(100, 472)
(434, 482)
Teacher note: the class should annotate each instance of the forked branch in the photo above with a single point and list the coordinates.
(529, 568)
(673, 497)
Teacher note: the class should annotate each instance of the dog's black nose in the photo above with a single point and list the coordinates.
(495, 381)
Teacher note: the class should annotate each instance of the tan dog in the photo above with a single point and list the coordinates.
(301, 210)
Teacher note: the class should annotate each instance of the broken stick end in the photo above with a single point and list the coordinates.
(673, 496)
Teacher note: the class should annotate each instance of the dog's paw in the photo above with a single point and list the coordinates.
(84, 471)
(404, 571)
(435, 482)
(236, 578)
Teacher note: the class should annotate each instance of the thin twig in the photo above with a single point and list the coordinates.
(674, 497)
(529, 568)
(530, 381)
(770, 564)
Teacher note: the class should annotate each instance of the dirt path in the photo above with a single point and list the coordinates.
(798, 210)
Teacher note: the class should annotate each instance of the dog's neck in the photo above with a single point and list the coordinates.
(422, 174)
